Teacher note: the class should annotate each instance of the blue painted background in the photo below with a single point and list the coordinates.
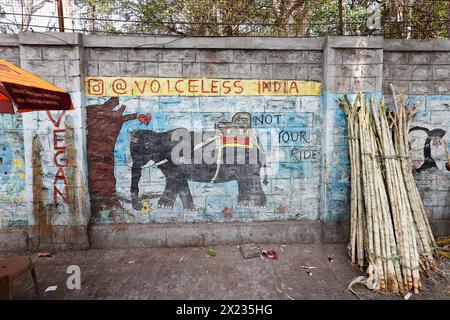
(12, 172)
(295, 121)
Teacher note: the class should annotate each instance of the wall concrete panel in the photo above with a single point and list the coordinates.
(304, 137)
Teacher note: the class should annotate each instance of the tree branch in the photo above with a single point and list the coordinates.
(129, 117)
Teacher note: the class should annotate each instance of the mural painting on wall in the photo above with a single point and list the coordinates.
(147, 145)
(12, 171)
(197, 149)
(427, 148)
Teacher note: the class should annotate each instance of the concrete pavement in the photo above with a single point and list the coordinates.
(189, 273)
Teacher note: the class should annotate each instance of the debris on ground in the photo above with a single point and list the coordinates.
(288, 296)
(285, 288)
(211, 253)
(444, 246)
(444, 252)
(407, 296)
(250, 250)
(181, 259)
(44, 254)
(131, 262)
(443, 240)
(271, 254)
(358, 280)
(282, 248)
(51, 288)
(308, 269)
(330, 260)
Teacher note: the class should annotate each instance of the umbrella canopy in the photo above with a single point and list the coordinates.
(29, 92)
(6, 105)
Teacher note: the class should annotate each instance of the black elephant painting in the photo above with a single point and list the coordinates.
(157, 147)
(431, 135)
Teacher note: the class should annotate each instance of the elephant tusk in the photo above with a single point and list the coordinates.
(160, 162)
(219, 156)
(256, 142)
(150, 164)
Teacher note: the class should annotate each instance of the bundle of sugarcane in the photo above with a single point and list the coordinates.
(447, 165)
(390, 232)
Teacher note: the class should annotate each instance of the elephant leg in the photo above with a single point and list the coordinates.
(169, 195)
(258, 196)
(250, 192)
(135, 177)
(185, 195)
(244, 193)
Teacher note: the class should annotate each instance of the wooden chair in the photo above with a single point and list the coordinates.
(11, 269)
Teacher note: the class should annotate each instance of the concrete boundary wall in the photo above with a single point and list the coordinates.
(264, 43)
(311, 204)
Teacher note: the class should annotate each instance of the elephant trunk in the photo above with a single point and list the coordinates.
(265, 175)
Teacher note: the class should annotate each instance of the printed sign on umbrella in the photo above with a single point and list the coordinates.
(28, 92)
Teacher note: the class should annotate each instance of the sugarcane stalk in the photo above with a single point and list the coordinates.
(352, 154)
(389, 153)
(360, 205)
(378, 237)
(367, 191)
(394, 275)
(357, 236)
(390, 162)
(359, 202)
(447, 165)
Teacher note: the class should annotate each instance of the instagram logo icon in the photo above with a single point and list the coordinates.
(96, 87)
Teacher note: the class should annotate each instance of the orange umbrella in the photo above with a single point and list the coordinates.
(28, 92)
(6, 105)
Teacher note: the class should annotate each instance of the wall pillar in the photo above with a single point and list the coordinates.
(351, 65)
(55, 160)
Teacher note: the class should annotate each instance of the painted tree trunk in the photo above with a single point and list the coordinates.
(103, 126)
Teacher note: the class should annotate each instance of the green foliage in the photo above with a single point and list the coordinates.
(419, 19)
(324, 19)
(198, 17)
(429, 19)
(96, 10)
(399, 19)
